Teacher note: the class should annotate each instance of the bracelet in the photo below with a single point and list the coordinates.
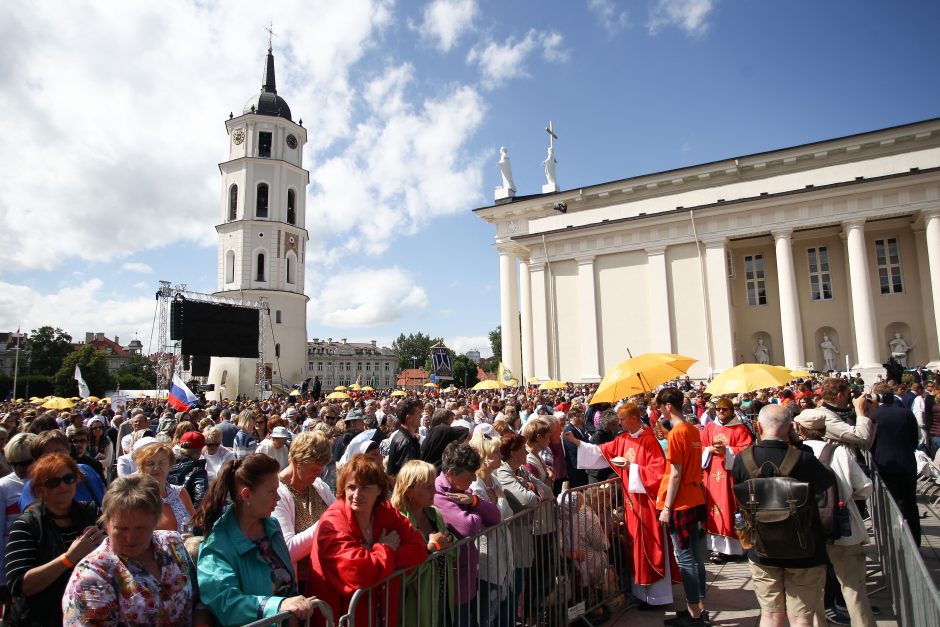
(435, 544)
(69, 564)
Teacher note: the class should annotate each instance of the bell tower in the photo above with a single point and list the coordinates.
(262, 236)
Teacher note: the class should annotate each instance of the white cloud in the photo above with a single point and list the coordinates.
(460, 344)
(446, 20)
(501, 62)
(366, 297)
(76, 309)
(610, 17)
(137, 266)
(689, 15)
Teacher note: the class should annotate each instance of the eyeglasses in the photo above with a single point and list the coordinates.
(723, 409)
(54, 482)
(26, 463)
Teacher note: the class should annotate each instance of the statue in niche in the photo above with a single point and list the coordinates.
(761, 352)
(505, 169)
(830, 353)
(899, 349)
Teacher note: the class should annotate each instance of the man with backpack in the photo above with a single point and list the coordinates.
(788, 552)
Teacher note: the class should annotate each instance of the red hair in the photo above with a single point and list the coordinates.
(363, 470)
(49, 466)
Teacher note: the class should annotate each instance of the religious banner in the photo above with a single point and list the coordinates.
(440, 361)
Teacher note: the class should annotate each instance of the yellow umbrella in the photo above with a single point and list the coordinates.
(75, 399)
(551, 384)
(640, 374)
(449, 390)
(532, 380)
(340, 388)
(486, 384)
(430, 385)
(92, 399)
(368, 388)
(397, 393)
(106, 399)
(295, 392)
(337, 396)
(800, 374)
(354, 386)
(58, 403)
(749, 378)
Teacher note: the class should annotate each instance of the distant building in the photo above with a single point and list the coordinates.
(344, 363)
(9, 341)
(473, 354)
(412, 378)
(115, 354)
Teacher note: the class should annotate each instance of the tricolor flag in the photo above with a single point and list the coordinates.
(83, 390)
(181, 398)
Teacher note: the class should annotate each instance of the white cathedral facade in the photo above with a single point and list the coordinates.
(824, 253)
(262, 237)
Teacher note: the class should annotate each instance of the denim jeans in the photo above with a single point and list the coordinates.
(691, 563)
(934, 445)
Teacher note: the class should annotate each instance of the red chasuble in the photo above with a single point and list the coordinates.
(649, 543)
(716, 478)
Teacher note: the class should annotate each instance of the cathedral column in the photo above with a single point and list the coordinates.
(790, 322)
(932, 231)
(509, 308)
(587, 299)
(525, 309)
(541, 351)
(660, 325)
(863, 308)
(719, 305)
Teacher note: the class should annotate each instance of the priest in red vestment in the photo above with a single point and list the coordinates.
(721, 441)
(638, 459)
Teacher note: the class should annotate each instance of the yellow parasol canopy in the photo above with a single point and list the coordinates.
(640, 374)
(430, 385)
(800, 374)
(551, 384)
(340, 388)
(397, 393)
(295, 392)
(337, 396)
(354, 386)
(487, 384)
(106, 399)
(532, 380)
(58, 403)
(368, 388)
(92, 399)
(749, 378)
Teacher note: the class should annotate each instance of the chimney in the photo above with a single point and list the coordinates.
(89, 337)
(117, 340)
(373, 343)
(329, 340)
(344, 340)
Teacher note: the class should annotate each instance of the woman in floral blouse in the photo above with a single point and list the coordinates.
(138, 576)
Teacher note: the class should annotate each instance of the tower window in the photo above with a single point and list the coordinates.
(277, 316)
(277, 351)
(264, 144)
(261, 205)
(290, 269)
(291, 209)
(230, 266)
(260, 274)
(233, 202)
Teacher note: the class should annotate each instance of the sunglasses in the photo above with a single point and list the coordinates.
(26, 463)
(723, 409)
(79, 441)
(55, 482)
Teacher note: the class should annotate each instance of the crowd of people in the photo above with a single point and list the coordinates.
(235, 511)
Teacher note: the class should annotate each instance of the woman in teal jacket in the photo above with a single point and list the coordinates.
(244, 569)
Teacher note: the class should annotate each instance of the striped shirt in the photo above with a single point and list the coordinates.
(23, 553)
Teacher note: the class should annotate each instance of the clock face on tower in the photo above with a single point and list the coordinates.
(291, 142)
(238, 136)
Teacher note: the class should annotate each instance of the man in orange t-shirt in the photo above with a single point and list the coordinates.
(681, 502)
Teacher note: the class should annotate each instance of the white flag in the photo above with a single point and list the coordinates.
(83, 390)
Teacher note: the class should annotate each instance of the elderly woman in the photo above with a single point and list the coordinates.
(214, 453)
(138, 576)
(156, 459)
(303, 497)
(429, 590)
(11, 487)
(361, 540)
(496, 564)
(244, 568)
(48, 540)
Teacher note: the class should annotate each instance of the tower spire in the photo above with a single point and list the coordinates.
(268, 83)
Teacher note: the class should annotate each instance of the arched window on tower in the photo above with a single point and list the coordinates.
(233, 202)
(230, 266)
(290, 269)
(277, 351)
(291, 207)
(261, 206)
(260, 275)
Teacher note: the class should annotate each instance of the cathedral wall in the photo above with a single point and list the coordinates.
(568, 314)
(622, 284)
(686, 305)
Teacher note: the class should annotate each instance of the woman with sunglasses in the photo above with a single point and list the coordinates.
(48, 540)
(11, 488)
(99, 445)
(215, 453)
(252, 430)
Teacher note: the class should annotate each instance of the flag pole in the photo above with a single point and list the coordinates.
(16, 363)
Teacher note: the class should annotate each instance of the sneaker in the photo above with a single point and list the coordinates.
(836, 617)
(683, 615)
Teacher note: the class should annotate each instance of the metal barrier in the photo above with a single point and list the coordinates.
(318, 606)
(509, 574)
(914, 596)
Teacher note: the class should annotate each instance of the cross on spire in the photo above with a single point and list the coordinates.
(551, 134)
(270, 30)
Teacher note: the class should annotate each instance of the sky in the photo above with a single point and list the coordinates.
(113, 127)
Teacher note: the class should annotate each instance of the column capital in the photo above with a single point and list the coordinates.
(854, 223)
(715, 242)
(656, 250)
(782, 234)
(536, 266)
(510, 248)
(930, 214)
(585, 260)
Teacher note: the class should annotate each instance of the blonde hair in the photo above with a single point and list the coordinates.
(485, 447)
(132, 492)
(212, 434)
(143, 455)
(310, 447)
(534, 430)
(410, 475)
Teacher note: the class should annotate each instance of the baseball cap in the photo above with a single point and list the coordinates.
(280, 432)
(192, 440)
(811, 419)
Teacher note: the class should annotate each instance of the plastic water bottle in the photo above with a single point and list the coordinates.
(741, 530)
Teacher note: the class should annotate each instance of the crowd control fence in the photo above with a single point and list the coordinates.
(288, 618)
(914, 595)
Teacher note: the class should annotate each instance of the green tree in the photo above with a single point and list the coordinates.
(48, 349)
(496, 343)
(139, 368)
(416, 345)
(94, 367)
(465, 371)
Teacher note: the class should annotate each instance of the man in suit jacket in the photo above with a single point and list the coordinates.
(576, 476)
(896, 439)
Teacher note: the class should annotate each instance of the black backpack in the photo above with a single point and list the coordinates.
(778, 509)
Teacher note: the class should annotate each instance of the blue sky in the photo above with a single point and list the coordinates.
(113, 127)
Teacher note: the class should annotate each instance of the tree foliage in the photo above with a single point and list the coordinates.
(496, 343)
(48, 348)
(414, 345)
(94, 367)
(140, 368)
(465, 371)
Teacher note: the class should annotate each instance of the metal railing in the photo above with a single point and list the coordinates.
(288, 617)
(914, 595)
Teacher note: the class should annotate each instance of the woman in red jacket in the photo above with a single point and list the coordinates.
(361, 540)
